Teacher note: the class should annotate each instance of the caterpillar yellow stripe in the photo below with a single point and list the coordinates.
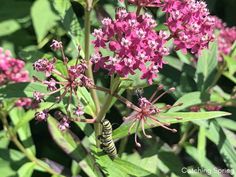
(107, 143)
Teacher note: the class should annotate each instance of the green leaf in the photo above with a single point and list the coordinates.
(230, 136)
(188, 100)
(117, 167)
(8, 27)
(21, 9)
(131, 168)
(29, 115)
(227, 123)
(10, 161)
(66, 140)
(146, 161)
(88, 130)
(26, 170)
(87, 101)
(231, 64)
(23, 89)
(206, 66)
(230, 77)
(24, 131)
(32, 55)
(201, 146)
(72, 146)
(205, 163)
(75, 168)
(183, 57)
(174, 62)
(4, 139)
(158, 158)
(44, 19)
(69, 21)
(171, 118)
(216, 134)
(134, 81)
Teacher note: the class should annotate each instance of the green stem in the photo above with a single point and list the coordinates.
(138, 10)
(105, 108)
(100, 116)
(18, 144)
(187, 134)
(89, 71)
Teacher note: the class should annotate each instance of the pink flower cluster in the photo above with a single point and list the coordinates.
(190, 24)
(66, 85)
(11, 69)
(134, 42)
(226, 38)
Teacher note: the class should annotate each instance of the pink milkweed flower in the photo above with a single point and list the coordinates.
(195, 108)
(225, 39)
(212, 107)
(79, 111)
(56, 45)
(190, 23)
(64, 124)
(65, 85)
(11, 69)
(24, 102)
(147, 111)
(135, 44)
(42, 115)
(44, 65)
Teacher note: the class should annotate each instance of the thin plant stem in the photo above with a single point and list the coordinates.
(18, 144)
(187, 134)
(89, 71)
(138, 10)
(106, 106)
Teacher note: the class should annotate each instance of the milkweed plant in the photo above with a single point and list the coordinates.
(117, 88)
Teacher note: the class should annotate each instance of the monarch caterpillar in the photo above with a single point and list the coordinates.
(107, 143)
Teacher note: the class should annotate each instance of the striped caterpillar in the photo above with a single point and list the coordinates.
(107, 143)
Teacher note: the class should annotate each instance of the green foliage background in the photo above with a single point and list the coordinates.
(27, 28)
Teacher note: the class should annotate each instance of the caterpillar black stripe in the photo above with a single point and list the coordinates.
(107, 143)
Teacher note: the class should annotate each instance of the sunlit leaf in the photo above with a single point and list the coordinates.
(206, 67)
(216, 134)
(204, 163)
(24, 131)
(43, 17)
(9, 26)
(26, 170)
(188, 100)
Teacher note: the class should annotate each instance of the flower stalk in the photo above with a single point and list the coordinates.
(106, 106)
(89, 72)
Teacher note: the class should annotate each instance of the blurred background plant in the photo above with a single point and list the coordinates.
(29, 148)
